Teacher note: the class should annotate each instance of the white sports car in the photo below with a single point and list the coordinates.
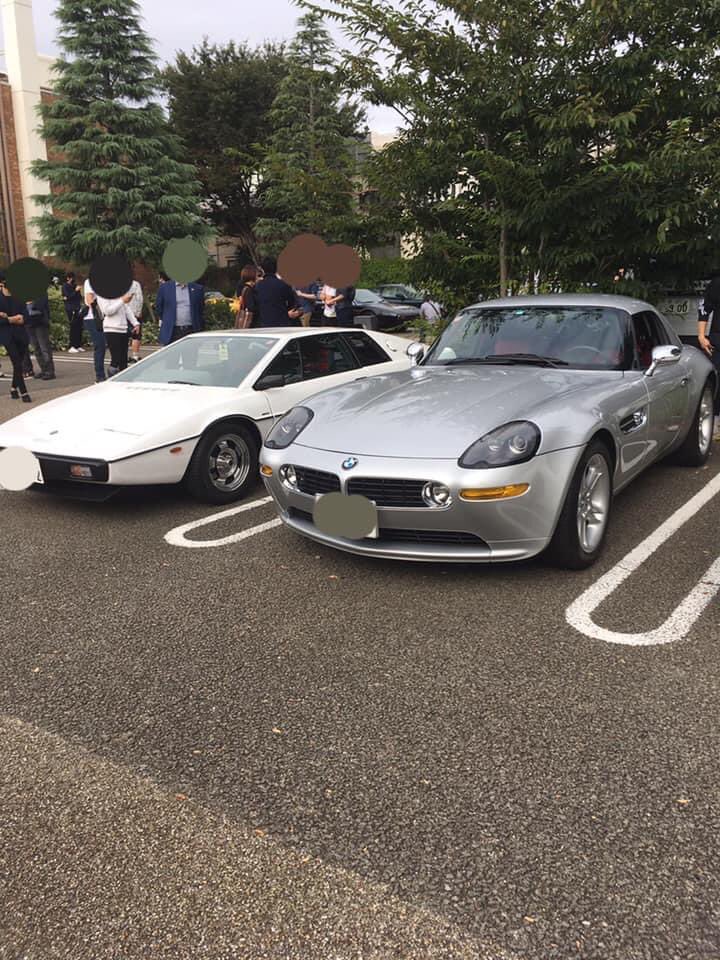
(195, 412)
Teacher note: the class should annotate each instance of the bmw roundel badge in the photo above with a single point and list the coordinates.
(349, 462)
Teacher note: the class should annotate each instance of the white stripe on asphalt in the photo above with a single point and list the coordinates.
(680, 621)
(177, 538)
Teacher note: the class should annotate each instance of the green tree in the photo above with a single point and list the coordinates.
(546, 141)
(117, 182)
(219, 100)
(311, 164)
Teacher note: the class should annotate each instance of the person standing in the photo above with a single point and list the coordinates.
(180, 308)
(38, 326)
(73, 301)
(136, 308)
(709, 340)
(93, 323)
(118, 321)
(328, 296)
(308, 297)
(14, 337)
(247, 312)
(274, 298)
(344, 307)
(430, 310)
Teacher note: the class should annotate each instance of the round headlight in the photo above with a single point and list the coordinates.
(436, 495)
(288, 477)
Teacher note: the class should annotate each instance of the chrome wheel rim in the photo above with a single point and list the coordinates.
(229, 462)
(705, 422)
(593, 503)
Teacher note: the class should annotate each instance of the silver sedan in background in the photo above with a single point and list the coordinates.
(509, 438)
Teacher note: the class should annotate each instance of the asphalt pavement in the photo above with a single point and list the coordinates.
(263, 748)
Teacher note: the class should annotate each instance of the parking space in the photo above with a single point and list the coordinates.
(268, 749)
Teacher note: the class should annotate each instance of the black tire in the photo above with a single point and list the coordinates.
(235, 446)
(697, 445)
(368, 322)
(566, 548)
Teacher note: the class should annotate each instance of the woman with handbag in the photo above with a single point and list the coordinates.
(247, 304)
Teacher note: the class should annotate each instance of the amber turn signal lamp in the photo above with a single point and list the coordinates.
(495, 493)
(176, 450)
(266, 471)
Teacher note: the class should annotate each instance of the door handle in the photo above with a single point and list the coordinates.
(636, 421)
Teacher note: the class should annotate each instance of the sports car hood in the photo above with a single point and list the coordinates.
(112, 420)
(437, 412)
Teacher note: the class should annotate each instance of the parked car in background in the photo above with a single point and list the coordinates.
(400, 293)
(214, 296)
(509, 438)
(372, 312)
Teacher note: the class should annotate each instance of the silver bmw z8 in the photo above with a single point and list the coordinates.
(509, 437)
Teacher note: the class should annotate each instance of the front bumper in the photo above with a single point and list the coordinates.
(478, 531)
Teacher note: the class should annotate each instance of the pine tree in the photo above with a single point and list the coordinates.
(117, 181)
(310, 166)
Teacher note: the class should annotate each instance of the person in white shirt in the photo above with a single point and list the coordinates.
(430, 310)
(328, 297)
(136, 307)
(117, 322)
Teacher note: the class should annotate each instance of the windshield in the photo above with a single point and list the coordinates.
(201, 361)
(589, 338)
(409, 293)
(367, 296)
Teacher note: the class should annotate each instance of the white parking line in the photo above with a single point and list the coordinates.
(177, 538)
(678, 624)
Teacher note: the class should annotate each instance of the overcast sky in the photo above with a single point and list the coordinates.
(181, 24)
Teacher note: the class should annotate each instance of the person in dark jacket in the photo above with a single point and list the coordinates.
(180, 308)
(14, 337)
(709, 340)
(344, 307)
(38, 328)
(274, 298)
(73, 300)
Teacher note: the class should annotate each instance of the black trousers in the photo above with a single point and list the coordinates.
(118, 347)
(17, 351)
(74, 315)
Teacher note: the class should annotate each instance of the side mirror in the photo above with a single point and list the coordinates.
(663, 355)
(269, 381)
(416, 351)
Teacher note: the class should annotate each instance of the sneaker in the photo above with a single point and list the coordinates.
(132, 359)
(81, 349)
(48, 376)
(26, 398)
(75, 350)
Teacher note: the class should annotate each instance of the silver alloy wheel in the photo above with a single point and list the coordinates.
(593, 503)
(705, 421)
(229, 462)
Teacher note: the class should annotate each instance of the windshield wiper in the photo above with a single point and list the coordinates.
(187, 383)
(511, 358)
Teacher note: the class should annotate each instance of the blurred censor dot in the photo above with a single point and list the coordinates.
(341, 266)
(110, 276)
(352, 517)
(19, 469)
(27, 279)
(301, 260)
(185, 261)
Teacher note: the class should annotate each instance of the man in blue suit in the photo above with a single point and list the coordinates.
(180, 308)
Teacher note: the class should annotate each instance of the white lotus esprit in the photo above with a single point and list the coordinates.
(194, 412)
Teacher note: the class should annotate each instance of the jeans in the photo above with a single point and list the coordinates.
(99, 346)
(118, 346)
(40, 340)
